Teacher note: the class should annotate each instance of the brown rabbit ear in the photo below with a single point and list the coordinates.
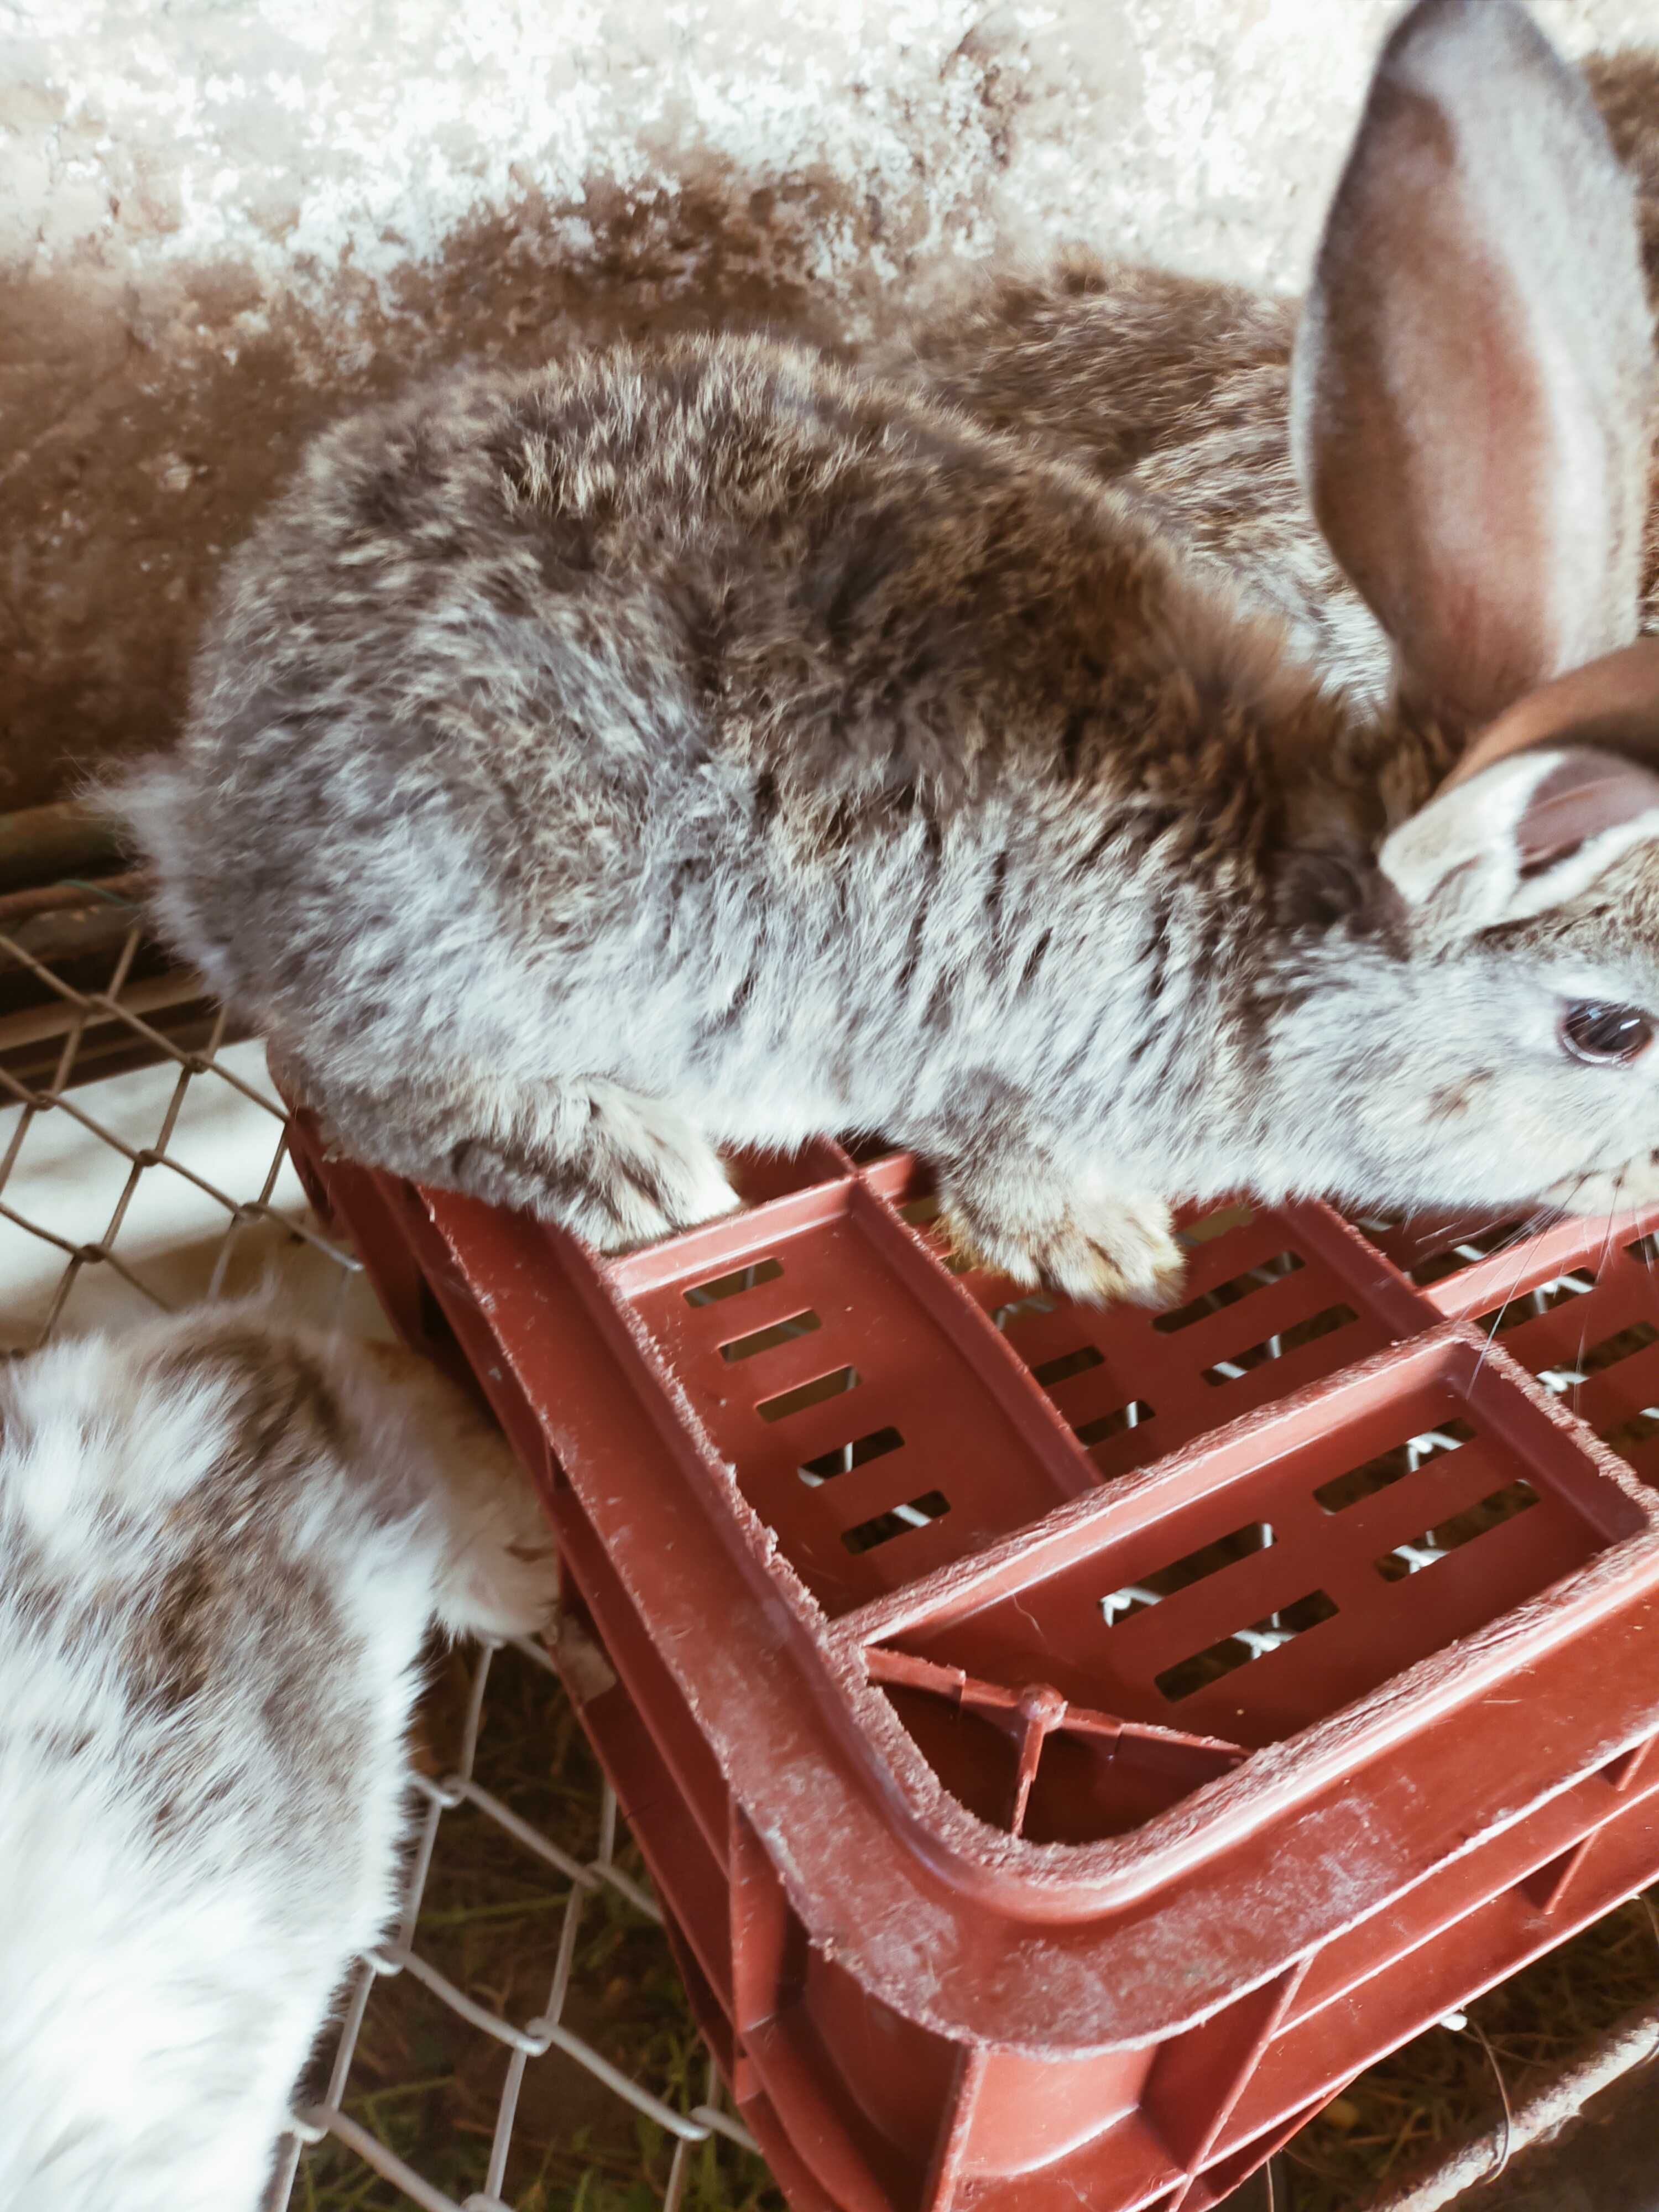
(1612, 703)
(1469, 409)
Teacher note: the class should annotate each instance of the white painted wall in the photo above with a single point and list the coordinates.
(319, 146)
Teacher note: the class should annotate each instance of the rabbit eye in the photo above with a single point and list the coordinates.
(1605, 1035)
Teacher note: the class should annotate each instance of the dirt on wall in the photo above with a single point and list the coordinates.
(139, 446)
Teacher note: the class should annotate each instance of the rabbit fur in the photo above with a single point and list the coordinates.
(223, 1542)
(695, 745)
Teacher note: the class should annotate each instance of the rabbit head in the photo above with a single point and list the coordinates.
(1471, 395)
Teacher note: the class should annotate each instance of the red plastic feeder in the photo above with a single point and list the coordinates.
(1072, 1745)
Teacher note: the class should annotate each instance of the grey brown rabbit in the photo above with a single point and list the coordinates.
(693, 745)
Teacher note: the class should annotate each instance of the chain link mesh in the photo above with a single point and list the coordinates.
(136, 1192)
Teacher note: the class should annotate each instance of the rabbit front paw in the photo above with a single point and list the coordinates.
(510, 1585)
(499, 1571)
(502, 1575)
(1630, 1189)
(1089, 1244)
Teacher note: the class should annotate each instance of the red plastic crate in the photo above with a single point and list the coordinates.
(1070, 1745)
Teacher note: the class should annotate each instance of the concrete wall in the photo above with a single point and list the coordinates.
(221, 221)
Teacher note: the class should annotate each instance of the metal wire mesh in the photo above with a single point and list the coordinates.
(129, 1194)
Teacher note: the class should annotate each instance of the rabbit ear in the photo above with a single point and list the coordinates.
(1528, 832)
(1612, 704)
(1469, 409)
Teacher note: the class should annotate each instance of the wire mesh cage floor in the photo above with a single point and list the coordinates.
(519, 2037)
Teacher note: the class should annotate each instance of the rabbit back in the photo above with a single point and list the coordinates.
(601, 722)
(1178, 389)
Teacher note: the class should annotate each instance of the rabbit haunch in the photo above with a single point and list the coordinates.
(689, 745)
(221, 1545)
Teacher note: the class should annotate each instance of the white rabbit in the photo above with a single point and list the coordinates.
(222, 1542)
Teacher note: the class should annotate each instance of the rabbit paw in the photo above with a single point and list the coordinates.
(647, 1173)
(502, 1576)
(509, 1585)
(1630, 1189)
(499, 1572)
(616, 1167)
(1091, 1245)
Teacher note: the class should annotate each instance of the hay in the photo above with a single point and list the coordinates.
(1441, 2085)
(427, 2084)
